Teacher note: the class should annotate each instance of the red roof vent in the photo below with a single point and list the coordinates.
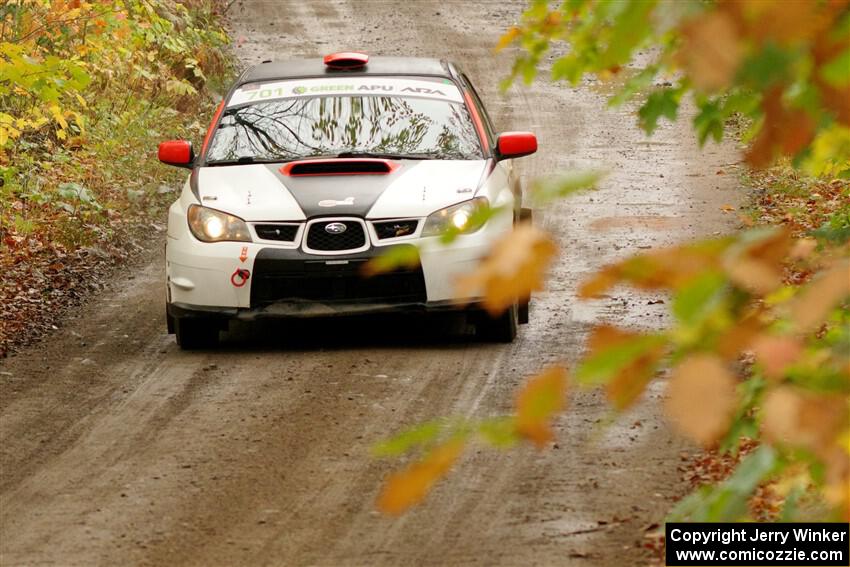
(346, 60)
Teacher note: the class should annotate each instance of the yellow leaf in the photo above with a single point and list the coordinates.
(542, 397)
(4, 136)
(409, 487)
(813, 305)
(515, 267)
(57, 115)
(701, 398)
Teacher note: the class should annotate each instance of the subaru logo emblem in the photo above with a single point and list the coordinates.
(335, 228)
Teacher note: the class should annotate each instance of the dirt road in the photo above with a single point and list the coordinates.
(118, 449)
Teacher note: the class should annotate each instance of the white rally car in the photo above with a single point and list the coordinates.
(311, 168)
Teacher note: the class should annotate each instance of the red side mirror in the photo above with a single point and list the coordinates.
(516, 144)
(177, 152)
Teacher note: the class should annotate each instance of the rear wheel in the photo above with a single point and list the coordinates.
(500, 329)
(195, 334)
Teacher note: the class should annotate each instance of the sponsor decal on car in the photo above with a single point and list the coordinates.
(346, 86)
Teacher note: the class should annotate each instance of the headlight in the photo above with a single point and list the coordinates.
(209, 225)
(462, 218)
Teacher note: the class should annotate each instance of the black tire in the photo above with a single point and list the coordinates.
(522, 313)
(501, 329)
(193, 334)
(169, 321)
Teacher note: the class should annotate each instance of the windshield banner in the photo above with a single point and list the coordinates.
(347, 86)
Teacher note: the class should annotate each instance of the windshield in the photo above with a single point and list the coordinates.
(294, 128)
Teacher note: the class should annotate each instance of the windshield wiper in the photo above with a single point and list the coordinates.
(245, 160)
(384, 155)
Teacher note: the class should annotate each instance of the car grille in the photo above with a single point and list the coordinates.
(280, 232)
(320, 239)
(394, 229)
(311, 280)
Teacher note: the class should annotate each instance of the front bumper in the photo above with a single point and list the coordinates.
(288, 282)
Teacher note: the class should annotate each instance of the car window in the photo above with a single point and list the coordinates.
(307, 126)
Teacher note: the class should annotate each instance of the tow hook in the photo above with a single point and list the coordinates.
(240, 277)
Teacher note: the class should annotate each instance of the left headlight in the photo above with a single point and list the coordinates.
(462, 218)
(210, 225)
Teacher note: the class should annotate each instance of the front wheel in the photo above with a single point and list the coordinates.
(195, 334)
(500, 329)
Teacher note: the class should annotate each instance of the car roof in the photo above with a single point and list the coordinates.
(302, 68)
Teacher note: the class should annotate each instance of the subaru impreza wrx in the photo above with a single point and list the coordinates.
(311, 168)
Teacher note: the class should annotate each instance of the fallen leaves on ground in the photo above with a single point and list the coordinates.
(41, 279)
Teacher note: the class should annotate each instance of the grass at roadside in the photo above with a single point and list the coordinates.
(81, 189)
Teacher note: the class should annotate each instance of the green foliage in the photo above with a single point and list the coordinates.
(783, 66)
(836, 230)
(86, 91)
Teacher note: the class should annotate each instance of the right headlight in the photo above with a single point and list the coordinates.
(210, 225)
(462, 218)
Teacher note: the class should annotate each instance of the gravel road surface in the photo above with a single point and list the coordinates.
(117, 448)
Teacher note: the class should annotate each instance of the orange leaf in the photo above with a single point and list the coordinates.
(804, 419)
(702, 398)
(812, 306)
(668, 268)
(629, 382)
(803, 248)
(507, 38)
(738, 338)
(756, 264)
(515, 267)
(538, 401)
(711, 50)
(785, 131)
(409, 487)
(776, 353)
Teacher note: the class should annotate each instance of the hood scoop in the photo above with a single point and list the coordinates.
(338, 166)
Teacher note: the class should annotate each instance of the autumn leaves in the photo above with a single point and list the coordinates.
(739, 353)
(738, 43)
